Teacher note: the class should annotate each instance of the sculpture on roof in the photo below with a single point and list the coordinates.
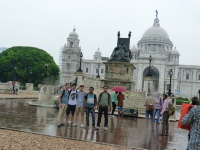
(156, 13)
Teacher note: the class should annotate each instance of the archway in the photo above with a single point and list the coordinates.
(155, 76)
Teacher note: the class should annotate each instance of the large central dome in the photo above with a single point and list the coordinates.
(155, 32)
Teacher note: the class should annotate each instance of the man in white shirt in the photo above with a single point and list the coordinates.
(72, 103)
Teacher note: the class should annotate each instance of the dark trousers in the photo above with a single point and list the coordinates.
(101, 110)
(165, 125)
(88, 111)
(113, 107)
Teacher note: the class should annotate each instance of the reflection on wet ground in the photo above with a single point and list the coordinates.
(132, 132)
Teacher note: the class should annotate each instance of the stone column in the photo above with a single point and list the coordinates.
(29, 88)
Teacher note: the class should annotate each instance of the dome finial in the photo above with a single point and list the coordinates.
(156, 20)
(156, 13)
(74, 29)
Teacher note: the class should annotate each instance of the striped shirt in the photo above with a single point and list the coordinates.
(193, 118)
(165, 106)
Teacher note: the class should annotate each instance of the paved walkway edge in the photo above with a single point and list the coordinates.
(73, 139)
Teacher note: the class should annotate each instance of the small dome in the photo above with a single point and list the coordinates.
(73, 34)
(98, 52)
(134, 49)
(175, 51)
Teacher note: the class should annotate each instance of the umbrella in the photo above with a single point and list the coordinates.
(119, 89)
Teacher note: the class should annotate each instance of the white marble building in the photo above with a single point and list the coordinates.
(155, 42)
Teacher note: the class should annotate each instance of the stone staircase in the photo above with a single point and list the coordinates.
(133, 99)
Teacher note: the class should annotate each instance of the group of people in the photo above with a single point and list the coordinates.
(158, 106)
(73, 101)
(14, 86)
(155, 105)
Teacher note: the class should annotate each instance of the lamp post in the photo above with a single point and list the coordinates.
(98, 76)
(15, 77)
(149, 73)
(79, 69)
(170, 82)
(30, 76)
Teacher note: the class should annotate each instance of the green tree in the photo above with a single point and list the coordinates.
(27, 64)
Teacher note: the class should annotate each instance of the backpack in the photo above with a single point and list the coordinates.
(63, 94)
(150, 107)
(86, 97)
(109, 97)
(170, 110)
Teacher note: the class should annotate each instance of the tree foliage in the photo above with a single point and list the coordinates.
(27, 64)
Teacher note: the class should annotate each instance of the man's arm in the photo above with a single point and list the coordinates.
(59, 98)
(95, 101)
(187, 119)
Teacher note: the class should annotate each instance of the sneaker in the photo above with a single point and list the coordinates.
(59, 126)
(74, 124)
(82, 126)
(86, 127)
(105, 128)
(97, 128)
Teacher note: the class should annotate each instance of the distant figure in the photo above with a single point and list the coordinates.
(16, 88)
(80, 105)
(165, 123)
(90, 105)
(114, 100)
(149, 103)
(120, 99)
(104, 105)
(157, 107)
(13, 87)
(63, 101)
(193, 119)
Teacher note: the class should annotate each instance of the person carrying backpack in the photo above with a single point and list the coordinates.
(90, 105)
(73, 96)
(164, 112)
(149, 103)
(63, 101)
(104, 105)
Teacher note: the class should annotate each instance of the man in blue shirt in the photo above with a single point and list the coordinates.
(80, 105)
(63, 101)
(90, 105)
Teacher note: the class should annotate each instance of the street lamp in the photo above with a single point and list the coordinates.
(170, 83)
(30, 76)
(149, 73)
(79, 69)
(98, 76)
(15, 77)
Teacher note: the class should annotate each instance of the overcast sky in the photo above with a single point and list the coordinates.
(46, 24)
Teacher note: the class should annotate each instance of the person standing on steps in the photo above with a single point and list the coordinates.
(73, 95)
(120, 99)
(80, 105)
(63, 101)
(104, 105)
(90, 105)
(165, 123)
(114, 100)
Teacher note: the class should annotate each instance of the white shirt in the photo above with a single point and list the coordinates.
(73, 98)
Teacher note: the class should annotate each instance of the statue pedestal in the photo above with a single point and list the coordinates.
(80, 76)
(118, 74)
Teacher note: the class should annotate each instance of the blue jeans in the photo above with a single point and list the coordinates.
(88, 111)
(147, 117)
(101, 110)
(158, 115)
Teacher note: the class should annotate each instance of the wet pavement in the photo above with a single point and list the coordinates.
(131, 132)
